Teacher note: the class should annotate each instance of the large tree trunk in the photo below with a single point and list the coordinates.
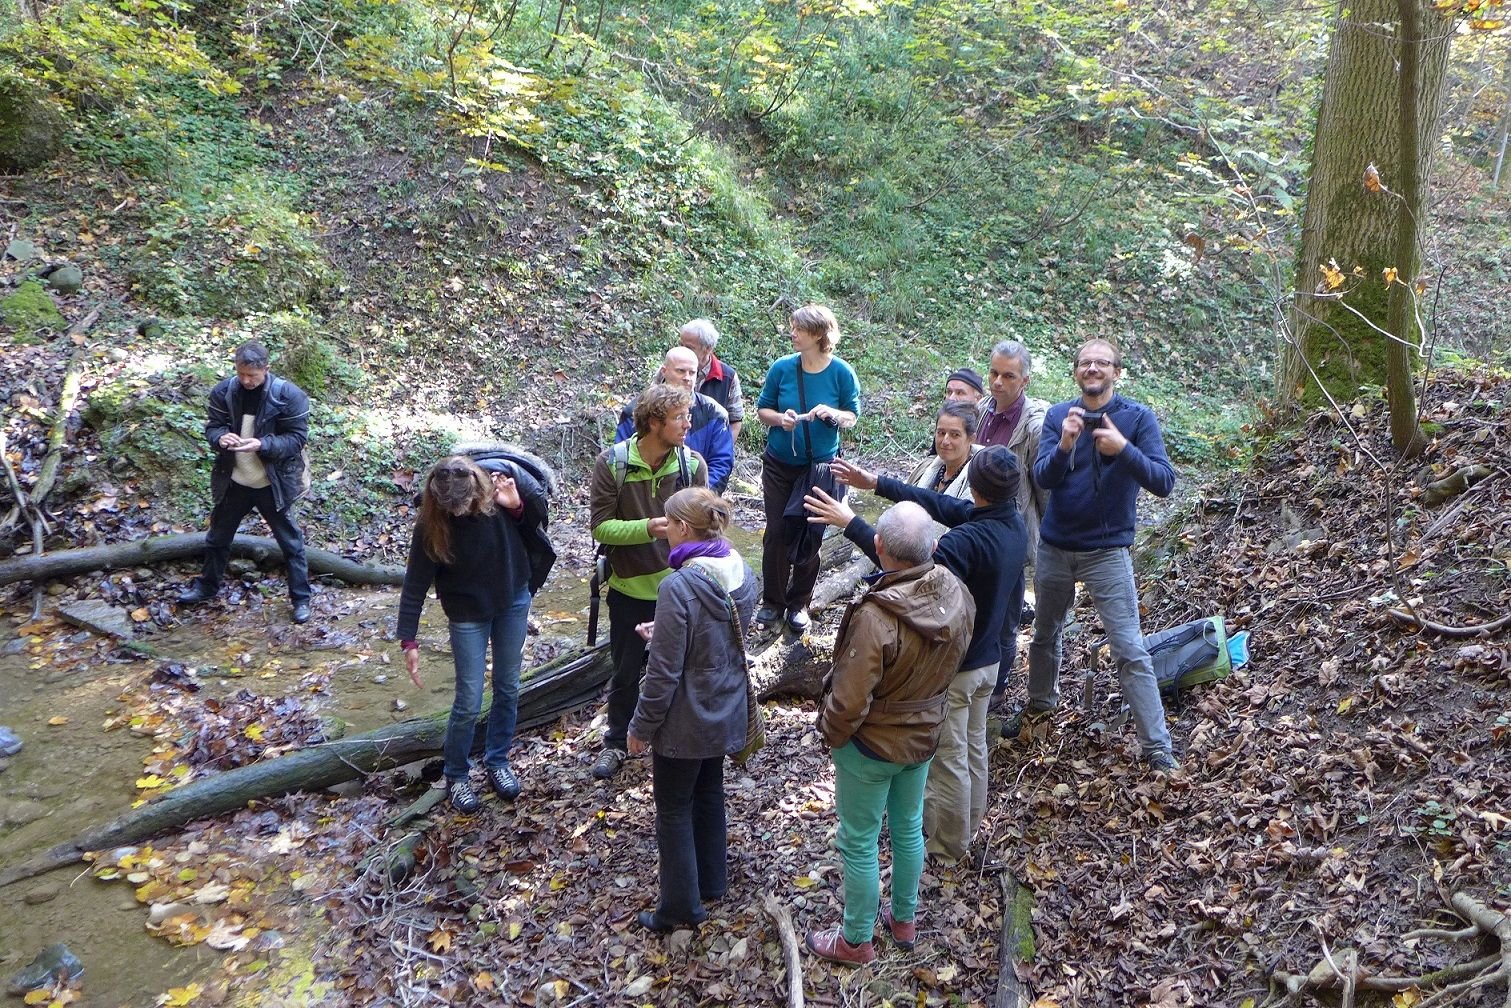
(1338, 330)
(158, 549)
(553, 689)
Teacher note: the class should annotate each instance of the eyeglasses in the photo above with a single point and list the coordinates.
(1095, 362)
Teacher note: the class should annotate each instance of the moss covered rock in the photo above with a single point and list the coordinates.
(31, 126)
(30, 310)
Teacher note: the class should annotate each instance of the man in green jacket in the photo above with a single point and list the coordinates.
(631, 484)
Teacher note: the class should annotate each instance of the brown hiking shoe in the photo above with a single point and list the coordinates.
(830, 944)
(904, 933)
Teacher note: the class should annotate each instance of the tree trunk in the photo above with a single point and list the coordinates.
(556, 688)
(1402, 312)
(1338, 331)
(158, 549)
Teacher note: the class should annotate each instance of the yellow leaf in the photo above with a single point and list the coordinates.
(1345, 704)
(565, 929)
(57, 720)
(140, 615)
(177, 997)
(483, 981)
(1390, 274)
(41, 995)
(251, 249)
(515, 927)
(440, 940)
(253, 732)
(804, 882)
(1332, 276)
(150, 781)
(1407, 998)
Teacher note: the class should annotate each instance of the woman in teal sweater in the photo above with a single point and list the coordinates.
(808, 397)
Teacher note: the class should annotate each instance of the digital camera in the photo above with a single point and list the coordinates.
(1091, 420)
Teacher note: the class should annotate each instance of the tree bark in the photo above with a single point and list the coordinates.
(1339, 331)
(1402, 309)
(553, 689)
(159, 549)
(1016, 942)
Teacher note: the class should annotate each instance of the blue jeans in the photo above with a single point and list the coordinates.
(1108, 577)
(864, 789)
(469, 651)
(691, 835)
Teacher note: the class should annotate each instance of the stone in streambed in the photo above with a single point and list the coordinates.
(101, 617)
(51, 962)
(45, 893)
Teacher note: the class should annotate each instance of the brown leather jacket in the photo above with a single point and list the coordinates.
(898, 648)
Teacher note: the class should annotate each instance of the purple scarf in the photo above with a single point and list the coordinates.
(699, 548)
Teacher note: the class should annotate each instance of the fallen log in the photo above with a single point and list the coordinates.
(161, 549)
(1016, 942)
(786, 665)
(555, 688)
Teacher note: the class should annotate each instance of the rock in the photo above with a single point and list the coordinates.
(19, 811)
(42, 894)
(30, 310)
(66, 279)
(240, 567)
(101, 617)
(32, 126)
(399, 704)
(14, 646)
(10, 742)
(51, 962)
(4, 765)
(21, 250)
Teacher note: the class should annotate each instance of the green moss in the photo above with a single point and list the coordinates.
(30, 310)
(1346, 351)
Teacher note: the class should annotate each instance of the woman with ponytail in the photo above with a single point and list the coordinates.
(691, 713)
(480, 540)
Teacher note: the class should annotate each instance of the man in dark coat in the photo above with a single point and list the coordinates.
(258, 424)
(984, 548)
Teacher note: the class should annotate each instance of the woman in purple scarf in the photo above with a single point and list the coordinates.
(691, 712)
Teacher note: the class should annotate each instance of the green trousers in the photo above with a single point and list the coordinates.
(864, 790)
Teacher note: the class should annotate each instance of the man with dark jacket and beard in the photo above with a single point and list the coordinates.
(899, 646)
(257, 423)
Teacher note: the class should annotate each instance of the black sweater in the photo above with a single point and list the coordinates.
(491, 568)
(984, 548)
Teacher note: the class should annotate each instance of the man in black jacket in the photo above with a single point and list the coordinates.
(984, 548)
(257, 424)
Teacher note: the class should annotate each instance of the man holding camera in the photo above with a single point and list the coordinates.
(1094, 455)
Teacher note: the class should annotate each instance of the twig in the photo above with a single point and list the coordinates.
(783, 920)
(1478, 630)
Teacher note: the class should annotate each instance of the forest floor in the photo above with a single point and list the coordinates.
(1335, 793)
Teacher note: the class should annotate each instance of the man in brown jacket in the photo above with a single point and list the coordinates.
(898, 649)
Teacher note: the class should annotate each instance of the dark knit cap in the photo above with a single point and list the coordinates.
(969, 376)
(994, 474)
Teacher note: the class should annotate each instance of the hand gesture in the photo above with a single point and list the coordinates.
(1071, 428)
(506, 492)
(825, 510)
(412, 666)
(789, 420)
(853, 475)
(636, 746)
(1108, 439)
(229, 441)
(247, 445)
(656, 527)
(645, 629)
